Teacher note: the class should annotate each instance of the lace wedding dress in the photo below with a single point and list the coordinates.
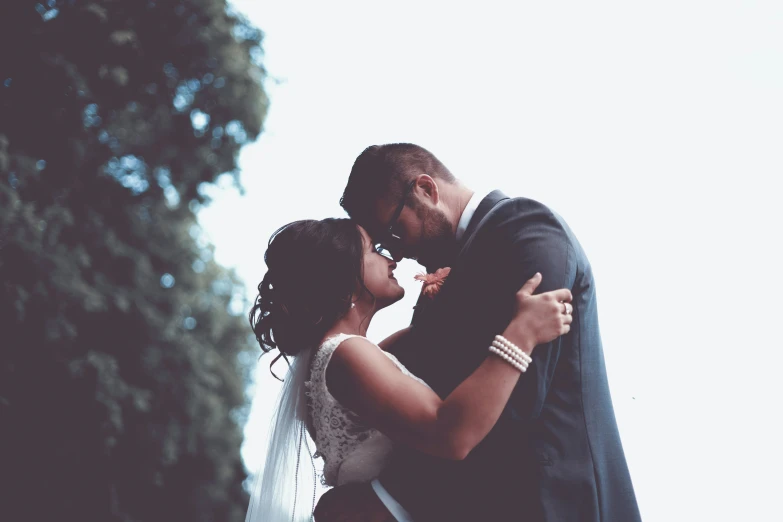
(352, 451)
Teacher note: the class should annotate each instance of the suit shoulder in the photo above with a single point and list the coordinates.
(527, 219)
(520, 204)
(516, 213)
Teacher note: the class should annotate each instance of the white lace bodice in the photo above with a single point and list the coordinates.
(352, 451)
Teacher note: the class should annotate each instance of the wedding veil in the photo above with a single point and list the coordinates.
(281, 490)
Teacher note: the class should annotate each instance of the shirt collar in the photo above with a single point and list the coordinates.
(467, 214)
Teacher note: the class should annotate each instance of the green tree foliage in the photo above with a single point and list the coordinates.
(121, 390)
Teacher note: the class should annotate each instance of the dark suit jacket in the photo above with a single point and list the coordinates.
(555, 453)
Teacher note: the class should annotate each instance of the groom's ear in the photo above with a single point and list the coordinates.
(428, 188)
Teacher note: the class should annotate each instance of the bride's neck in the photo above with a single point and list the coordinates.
(355, 322)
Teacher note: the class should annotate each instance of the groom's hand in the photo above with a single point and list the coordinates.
(351, 503)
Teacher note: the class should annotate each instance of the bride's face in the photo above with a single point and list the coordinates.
(379, 274)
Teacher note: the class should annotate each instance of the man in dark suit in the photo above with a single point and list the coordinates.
(555, 453)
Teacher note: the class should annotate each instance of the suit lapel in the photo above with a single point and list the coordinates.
(482, 211)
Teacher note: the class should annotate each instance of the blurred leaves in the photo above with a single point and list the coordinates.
(119, 375)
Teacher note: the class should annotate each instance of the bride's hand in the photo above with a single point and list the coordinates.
(539, 318)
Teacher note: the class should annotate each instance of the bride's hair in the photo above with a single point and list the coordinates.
(314, 270)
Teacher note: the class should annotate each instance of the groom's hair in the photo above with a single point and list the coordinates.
(386, 170)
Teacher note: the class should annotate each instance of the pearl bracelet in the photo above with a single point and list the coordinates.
(511, 353)
(508, 359)
(513, 347)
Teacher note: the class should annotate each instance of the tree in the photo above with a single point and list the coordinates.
(121, 386)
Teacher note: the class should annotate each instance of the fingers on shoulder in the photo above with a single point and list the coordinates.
(562, 295)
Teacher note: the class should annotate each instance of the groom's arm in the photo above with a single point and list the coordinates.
(388, 344)
(536, 241)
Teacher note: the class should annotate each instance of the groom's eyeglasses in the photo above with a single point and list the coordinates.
(379, 248)
(391, 241)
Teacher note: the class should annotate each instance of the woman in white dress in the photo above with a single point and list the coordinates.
(324, 283)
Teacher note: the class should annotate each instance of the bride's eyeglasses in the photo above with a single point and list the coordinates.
(391, 241)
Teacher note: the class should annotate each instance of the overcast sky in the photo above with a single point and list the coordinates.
(654, 129)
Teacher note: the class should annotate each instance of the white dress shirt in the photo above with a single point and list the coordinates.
(467, 214)
(394, 507)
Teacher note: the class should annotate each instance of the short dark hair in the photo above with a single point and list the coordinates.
(382, 170)
(314, 269)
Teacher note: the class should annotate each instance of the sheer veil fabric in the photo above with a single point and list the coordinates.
(284, 489)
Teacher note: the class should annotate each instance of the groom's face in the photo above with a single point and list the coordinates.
(415, 228)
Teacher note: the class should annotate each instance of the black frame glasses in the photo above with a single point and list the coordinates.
(390, 240)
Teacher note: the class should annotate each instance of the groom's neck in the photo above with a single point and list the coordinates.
(458, 199)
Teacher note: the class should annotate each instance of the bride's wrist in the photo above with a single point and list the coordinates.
(510, 352)
(523, 341)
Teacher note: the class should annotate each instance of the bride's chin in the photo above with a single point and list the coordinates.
(392, 297)
(398, 291)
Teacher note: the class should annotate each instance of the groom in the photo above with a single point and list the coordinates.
(555, 453)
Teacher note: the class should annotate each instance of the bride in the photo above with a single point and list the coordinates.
(324, 283)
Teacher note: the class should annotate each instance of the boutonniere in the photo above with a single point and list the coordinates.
(433, 282)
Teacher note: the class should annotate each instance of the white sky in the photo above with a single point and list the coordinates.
(654, 129)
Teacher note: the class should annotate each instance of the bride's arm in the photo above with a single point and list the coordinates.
(388, 343)
(365, 380)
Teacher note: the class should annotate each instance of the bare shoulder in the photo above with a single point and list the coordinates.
(357, 370)
(357, 356)
(354, 344)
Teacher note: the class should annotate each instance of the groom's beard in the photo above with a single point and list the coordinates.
(438, 246)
